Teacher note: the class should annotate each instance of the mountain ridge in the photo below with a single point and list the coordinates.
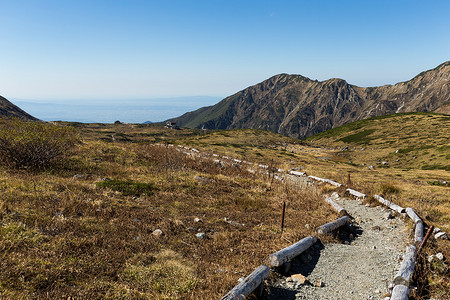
(299, 107)
(9, 110)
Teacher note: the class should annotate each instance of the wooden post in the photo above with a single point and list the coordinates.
(349, 183)
(283, 210)
(430, 230)
(285, 255)
(249, 284)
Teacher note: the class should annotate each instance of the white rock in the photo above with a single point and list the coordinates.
(436, 230)
(441, 236)
(440, 256)
(197, 220)
(201, 235)
(157, 232)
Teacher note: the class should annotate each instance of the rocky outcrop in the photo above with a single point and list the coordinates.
(299, 107)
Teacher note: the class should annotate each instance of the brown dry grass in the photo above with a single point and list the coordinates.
(63, 237)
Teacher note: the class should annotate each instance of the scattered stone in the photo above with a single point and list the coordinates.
(440, 256)
(370, 167)
(377, 292)
(441, 236)
(307, 226)
(201, 235)
(202, 179)
(191, 228)
(436, 230)
(384, 163)
(389, 216)
(241, 279)
(320, 283)
(79, 177)
(106, 179)
(157, 232)
(298, 278)
(197, 220)
(137, 238)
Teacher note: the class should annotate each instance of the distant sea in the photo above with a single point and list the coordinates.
(109, 111)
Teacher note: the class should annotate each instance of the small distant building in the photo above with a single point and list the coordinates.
(171, 125)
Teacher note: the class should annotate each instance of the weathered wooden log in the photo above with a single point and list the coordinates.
(356, 193)
(297, 173)
(412, 214)
(325, 180)
(249, 284)
(418, 233)
(407, 267)
(329, 227)
(389, 204)
(400, 292)
(284, 255)
(340, 210)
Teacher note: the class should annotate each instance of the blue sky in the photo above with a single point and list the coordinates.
(136, 49)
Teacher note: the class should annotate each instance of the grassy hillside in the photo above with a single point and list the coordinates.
(87, 227)
(409, 151)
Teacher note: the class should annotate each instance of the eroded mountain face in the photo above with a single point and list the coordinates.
(299, 107)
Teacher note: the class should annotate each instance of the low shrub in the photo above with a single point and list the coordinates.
(389, 189)
(34, 145)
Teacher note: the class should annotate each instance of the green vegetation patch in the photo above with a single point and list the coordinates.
(359, 138)
(128, 188)
(436, 167)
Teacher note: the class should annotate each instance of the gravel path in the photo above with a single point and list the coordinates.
(361, 267)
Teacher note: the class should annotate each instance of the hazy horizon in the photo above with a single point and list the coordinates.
(124, 110)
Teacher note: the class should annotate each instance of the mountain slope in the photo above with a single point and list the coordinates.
(7, 109)
(299, 107)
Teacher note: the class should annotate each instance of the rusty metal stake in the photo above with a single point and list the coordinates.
(283, 209)
(430, 230)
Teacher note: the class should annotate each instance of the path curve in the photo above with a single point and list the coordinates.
(359, 268)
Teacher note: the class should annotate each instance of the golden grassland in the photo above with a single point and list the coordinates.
(86, 237)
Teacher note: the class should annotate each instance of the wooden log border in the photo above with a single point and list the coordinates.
(404, 274)
(287, 254)
(412, 214)
(356, 193)
(389, 204)
(400, 292)
(249, 284)
(418, 233)
(402, 280)
(325, 180)
(329, 227)
(339, 209)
